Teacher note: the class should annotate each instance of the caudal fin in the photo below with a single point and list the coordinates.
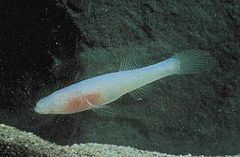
(194, 61)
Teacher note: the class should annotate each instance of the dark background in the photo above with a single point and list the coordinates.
(33, 36)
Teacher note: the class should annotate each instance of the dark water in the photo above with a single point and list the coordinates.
(48, 45)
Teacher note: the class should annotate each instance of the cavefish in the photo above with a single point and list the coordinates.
(96, 92)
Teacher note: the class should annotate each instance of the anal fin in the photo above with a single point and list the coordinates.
(139, 93)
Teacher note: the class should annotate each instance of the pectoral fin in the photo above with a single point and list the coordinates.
(105, 111)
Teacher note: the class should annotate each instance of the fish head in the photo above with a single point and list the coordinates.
(52, 104)
(67, 102)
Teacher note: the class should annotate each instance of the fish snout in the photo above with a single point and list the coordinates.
(38, 108)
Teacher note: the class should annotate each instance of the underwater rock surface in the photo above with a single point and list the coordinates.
(16, 143)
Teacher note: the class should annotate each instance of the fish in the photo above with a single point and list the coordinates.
(97, 92)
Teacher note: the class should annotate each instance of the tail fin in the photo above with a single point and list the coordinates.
(194, 61)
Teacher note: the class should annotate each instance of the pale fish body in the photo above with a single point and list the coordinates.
(101, 90)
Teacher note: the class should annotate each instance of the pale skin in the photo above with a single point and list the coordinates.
(95, 92)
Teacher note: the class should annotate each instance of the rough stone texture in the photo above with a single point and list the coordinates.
(16, 143)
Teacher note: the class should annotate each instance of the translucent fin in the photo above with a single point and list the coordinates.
(105, 111)
(139, 93)
(194, 61)
(102, 109)
(129, 63)
(91, 105)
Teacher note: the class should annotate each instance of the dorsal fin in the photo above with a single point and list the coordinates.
(129, 63)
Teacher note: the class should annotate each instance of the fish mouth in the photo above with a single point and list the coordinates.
(37, 109)
(41, 110)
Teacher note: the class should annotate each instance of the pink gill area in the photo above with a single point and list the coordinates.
(81, 103)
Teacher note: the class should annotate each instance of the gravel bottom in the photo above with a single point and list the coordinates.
(14, 142)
